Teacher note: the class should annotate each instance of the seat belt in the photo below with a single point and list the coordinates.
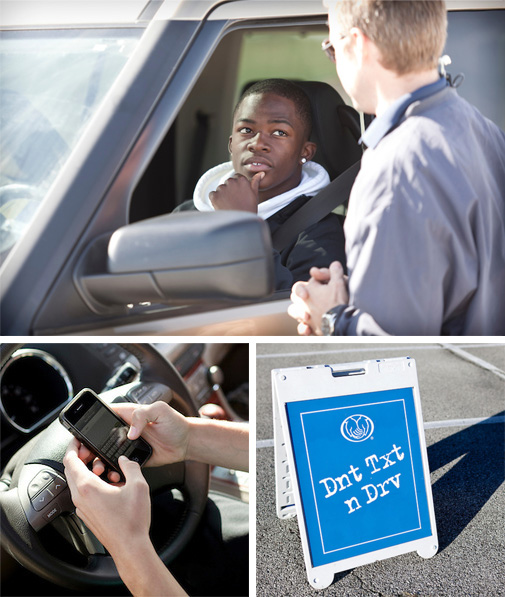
(317, 207)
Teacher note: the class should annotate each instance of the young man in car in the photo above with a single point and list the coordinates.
(119, 514)
(271, 174)
(425, 230)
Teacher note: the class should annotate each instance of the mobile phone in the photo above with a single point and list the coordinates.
(100, 429)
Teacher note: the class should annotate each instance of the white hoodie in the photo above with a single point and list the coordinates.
(314, 178)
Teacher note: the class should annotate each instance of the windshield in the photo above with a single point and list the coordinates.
(51, 83)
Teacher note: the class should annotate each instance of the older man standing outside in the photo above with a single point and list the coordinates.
(425, 229)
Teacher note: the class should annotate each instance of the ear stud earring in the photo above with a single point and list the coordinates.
(304, 160)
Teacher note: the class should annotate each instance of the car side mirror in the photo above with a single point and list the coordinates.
(180, 258)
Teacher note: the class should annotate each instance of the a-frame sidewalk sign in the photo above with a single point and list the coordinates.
(351, 463)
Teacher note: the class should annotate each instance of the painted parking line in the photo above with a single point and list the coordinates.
(464, 422)
(467, 356)
(264, 443)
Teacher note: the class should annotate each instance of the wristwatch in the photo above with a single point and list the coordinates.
(330, 318)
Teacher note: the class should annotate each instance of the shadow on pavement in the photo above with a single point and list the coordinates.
(464, 489)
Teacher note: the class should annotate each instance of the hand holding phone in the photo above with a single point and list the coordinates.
(118, 514)
(102, 431)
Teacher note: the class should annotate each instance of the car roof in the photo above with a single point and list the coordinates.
(34, 13)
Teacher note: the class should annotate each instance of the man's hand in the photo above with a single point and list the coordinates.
(117, 514)
(326, 289)
(238, 193)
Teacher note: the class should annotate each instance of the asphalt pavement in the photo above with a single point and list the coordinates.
(462, 388)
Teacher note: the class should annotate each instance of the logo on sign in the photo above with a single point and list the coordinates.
(357, 428)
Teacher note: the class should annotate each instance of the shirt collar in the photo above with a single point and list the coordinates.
(389, 119)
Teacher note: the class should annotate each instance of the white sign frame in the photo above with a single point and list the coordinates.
(320, 382)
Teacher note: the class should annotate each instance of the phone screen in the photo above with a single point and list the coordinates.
(103, 431)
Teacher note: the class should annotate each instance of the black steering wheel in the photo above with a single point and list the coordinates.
(87, 566)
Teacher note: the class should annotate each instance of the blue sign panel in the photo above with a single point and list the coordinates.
(360, 472)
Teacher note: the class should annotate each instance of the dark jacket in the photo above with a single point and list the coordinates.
(318, 245)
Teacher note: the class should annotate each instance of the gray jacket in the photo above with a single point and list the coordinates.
(425, 230)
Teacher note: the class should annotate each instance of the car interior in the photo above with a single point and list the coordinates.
(198, 139)
(59, 556)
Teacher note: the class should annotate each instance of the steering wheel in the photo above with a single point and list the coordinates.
(25, 529)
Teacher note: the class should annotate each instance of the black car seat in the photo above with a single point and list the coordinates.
(336, 128)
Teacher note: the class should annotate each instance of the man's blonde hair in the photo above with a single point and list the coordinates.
(410, 34)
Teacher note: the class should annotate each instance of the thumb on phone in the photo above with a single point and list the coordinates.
(139, 420)
(130, 469)
(142, 416)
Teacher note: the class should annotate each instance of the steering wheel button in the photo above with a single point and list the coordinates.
(42, 499)
(138, 391)
(57, 486)
(53, 512)
(40, 481)
(154, 394)
(34, 488)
